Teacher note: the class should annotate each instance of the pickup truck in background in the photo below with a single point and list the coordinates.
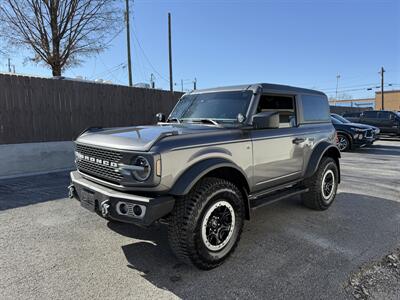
(387, 121)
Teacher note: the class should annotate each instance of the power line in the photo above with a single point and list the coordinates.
(146, 57)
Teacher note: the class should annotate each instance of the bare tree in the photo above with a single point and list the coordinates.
(59, 32)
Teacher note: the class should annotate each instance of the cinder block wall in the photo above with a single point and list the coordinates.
(35, 158)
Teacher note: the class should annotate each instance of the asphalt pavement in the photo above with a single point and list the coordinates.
(51, 248)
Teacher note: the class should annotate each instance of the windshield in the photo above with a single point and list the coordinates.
(340, 118)
(336, 121)
(219, 106)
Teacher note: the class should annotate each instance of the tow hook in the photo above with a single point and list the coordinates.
(71, 191)
(105, 205)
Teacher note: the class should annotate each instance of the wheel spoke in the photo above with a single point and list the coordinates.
(217, 225)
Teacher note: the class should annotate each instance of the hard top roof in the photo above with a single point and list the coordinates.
(267, 87)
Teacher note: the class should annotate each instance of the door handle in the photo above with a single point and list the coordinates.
(298, 141)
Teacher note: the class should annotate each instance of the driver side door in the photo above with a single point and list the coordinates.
(277, 153)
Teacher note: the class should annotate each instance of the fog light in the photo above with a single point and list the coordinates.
(137, 210)
(360, 137)
(356, 136)
(122, 208)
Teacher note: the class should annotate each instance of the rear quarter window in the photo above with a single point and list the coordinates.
(315, 108)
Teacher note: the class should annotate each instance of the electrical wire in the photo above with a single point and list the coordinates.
(146, 57)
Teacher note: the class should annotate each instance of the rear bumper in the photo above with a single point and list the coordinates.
(124, 207)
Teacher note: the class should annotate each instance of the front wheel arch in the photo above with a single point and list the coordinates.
(217, 168)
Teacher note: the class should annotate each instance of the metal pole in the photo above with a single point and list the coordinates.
(9, 65)
(195, 84)
(152, 82)
(337, 85)
(171, 82)
(128, 42)
(382, 91)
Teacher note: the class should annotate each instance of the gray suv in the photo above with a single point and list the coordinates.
(219, 155)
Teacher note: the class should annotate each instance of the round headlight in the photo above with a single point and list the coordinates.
(144, 173)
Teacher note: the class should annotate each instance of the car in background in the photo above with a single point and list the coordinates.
(387, 121)
(377, 131)
(351, 136)
(352, 116)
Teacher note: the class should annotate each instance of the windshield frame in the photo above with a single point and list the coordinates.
(231, 122)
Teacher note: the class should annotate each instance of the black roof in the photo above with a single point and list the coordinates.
(267, 87)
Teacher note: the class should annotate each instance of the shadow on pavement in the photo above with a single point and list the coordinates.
(286, 251)
(22, 191)
(379, 149)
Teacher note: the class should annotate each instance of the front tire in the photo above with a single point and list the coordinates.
(344, 143)
(205, 225)
(322, 185)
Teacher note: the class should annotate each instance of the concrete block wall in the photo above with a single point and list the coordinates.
(35, 158)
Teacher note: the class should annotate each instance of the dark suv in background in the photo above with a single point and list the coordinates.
(352, 135)
(387, 121)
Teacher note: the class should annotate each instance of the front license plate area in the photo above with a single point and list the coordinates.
(87, 200)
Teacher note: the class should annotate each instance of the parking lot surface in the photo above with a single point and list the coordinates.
(51, 248)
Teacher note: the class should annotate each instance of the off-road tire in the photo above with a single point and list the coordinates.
(185, 222)
(347, 140)
(314, 198)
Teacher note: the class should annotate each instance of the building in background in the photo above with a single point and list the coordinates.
(391, 101)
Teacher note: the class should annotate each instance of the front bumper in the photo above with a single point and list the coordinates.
(124, 207)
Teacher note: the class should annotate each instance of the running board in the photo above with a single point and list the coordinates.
(257, 202)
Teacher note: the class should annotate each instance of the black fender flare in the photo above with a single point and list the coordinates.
(322, 149)
(194, 173)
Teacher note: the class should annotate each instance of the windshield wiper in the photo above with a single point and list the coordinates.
(174, 119)
(209, 121)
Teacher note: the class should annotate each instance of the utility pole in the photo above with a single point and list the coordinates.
(194, 84)
(9, 65)
(382, 92)
(337, 85)
(128, 42)
(171, 82)
(152, 82)
(14, 69)
(182, 85)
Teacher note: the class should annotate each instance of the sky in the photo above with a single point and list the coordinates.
(301, 43)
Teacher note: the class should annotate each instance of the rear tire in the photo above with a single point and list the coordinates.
(205, 226)
(322, 185)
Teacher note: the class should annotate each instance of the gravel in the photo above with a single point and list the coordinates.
(378, 280)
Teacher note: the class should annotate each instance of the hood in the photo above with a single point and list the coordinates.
(360, 126)
(138, 138)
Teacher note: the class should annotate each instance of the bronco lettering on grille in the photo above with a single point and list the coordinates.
(80, 156)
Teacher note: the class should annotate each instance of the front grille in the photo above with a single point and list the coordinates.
(369, 133)
(97, 169)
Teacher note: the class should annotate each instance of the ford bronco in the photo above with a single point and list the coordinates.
(219, 155)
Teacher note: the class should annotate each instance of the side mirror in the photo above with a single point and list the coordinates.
(160, 117)
(265, 120)
(240, 118)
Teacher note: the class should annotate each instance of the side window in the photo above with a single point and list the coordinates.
(385, 115)
(370, 114)
(315, 108)
(282, 104)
